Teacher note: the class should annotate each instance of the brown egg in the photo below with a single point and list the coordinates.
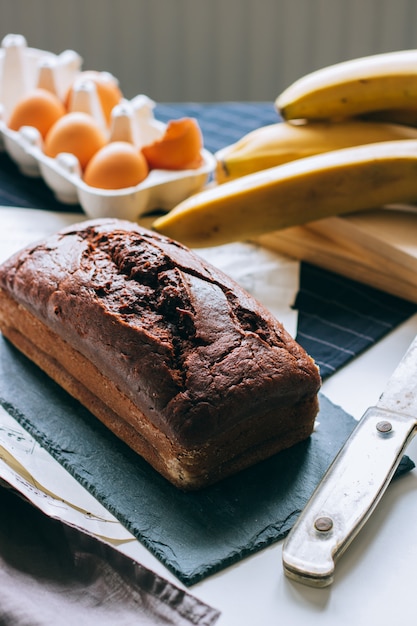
(76, 133)
(116, 166)
(107, 90)
(40, 108)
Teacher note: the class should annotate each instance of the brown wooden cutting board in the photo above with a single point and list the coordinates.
(376, 247)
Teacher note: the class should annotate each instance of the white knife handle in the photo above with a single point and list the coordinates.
(347, 495)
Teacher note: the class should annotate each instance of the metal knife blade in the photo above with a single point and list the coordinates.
(356, 480)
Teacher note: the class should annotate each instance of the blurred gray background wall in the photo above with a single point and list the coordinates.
(211, 50)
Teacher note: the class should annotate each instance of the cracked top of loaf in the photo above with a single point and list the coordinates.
(193, 350)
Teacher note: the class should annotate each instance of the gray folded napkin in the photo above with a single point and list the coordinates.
(53, 574)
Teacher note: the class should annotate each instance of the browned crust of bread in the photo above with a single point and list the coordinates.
(187, 468)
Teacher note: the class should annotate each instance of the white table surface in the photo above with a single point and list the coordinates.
(375, 579)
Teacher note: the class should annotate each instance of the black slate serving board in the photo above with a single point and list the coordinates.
(194, 535)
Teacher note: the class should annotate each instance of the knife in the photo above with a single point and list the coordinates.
(356, 480)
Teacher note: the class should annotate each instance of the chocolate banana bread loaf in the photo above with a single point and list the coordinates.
(169, 352)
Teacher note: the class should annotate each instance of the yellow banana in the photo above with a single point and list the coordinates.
(333, 183)
(279, 143)
(351, 88)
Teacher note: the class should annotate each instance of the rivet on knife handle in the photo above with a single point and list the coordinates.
(346, 496)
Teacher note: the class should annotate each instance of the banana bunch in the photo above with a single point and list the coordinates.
(347, 144)
(282, 142)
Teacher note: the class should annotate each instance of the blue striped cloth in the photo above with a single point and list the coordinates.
(338, 318)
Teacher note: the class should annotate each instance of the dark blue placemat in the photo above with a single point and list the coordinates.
(26, 191)
(340, 318)
(224, 123)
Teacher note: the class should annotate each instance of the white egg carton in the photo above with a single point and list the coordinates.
(21, 70)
